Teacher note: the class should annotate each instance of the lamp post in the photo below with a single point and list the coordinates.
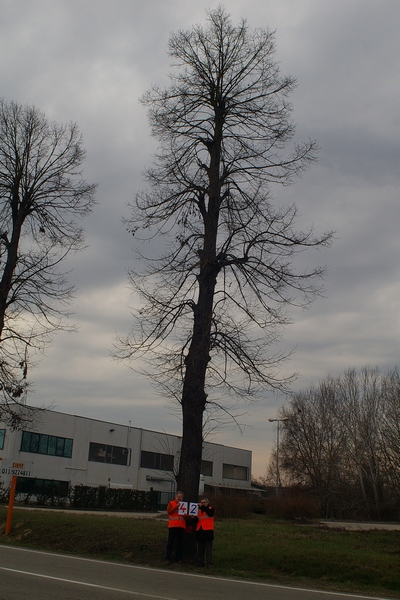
(278, 422)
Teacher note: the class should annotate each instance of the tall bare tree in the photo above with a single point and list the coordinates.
(313, 441)
(390, 431)
(362, 419)
(42, 199)
(213, 302)
(340, 441)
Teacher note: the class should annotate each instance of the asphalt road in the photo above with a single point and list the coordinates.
(46, 576)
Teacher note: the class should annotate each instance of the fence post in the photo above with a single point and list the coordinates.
(11, 504)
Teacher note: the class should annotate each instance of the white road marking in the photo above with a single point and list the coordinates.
(191, 575)
(83, 583)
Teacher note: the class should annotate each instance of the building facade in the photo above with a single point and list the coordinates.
(71, 450)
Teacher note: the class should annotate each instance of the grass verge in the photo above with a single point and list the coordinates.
(258, 548)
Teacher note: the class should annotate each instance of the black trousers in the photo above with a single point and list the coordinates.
(204, 549)
(176, 536)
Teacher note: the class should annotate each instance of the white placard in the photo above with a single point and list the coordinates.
(14, 467)
(183, 508)
(193, 509)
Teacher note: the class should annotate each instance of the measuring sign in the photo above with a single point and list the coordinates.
(188, 508)
(16, 468)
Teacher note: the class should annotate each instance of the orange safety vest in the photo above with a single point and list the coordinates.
(204, 521)
(174, 519)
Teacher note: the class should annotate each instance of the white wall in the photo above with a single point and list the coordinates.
(79, 470)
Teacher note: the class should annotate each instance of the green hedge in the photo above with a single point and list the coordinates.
(50, 493)
(103, 498)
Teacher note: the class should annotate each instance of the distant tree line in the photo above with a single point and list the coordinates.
(341, 442)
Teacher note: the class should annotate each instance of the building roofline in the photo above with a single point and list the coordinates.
(49, 410)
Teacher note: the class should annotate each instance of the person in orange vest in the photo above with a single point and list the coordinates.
(176, 529)
(205, 532)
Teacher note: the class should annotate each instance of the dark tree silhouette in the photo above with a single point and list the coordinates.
(213, 302)
(42, 198)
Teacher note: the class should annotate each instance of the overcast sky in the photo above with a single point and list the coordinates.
(89, 61)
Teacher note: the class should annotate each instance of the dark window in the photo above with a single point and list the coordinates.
(207, 468)
(25, 442)
(68, 447)
(35, 442)
(40, 443)
(2, 436)
(52, 445)
(46, 487)
(43, 444)
(155, 460)
(234, 472)
(115, 455)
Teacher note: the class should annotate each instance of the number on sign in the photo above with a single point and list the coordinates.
(183, 508)
(193, 509)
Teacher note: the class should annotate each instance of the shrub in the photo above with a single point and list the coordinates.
(292, 506)
(231, 505)
(4, 494)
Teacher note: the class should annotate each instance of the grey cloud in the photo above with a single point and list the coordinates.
(90, 61)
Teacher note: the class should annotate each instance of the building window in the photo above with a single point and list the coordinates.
(155, 460)
(115, 455)
(41, 443)
(207, 468)
(42, 487)
(234, 472)
(2, 436)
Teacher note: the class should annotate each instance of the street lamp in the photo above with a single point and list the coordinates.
(278, 421)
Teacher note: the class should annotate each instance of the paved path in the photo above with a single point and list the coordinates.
(108, 513)
(44, 576)
(358, 526)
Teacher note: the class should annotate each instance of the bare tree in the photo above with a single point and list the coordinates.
(313, 441)
(362, 419)
(42, 198)
(390, 432)
(341, 442)
(214, 302)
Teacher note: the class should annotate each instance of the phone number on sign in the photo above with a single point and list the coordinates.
(17, 472)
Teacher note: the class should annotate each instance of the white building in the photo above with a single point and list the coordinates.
(70, 450)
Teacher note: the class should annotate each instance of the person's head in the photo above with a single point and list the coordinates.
(179, 496)
(204, 502)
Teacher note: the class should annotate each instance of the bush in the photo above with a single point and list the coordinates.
(4, 494)
(292, 506)
(231, 505)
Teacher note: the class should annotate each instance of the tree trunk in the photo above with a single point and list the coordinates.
(9, 268)
(193, 393)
